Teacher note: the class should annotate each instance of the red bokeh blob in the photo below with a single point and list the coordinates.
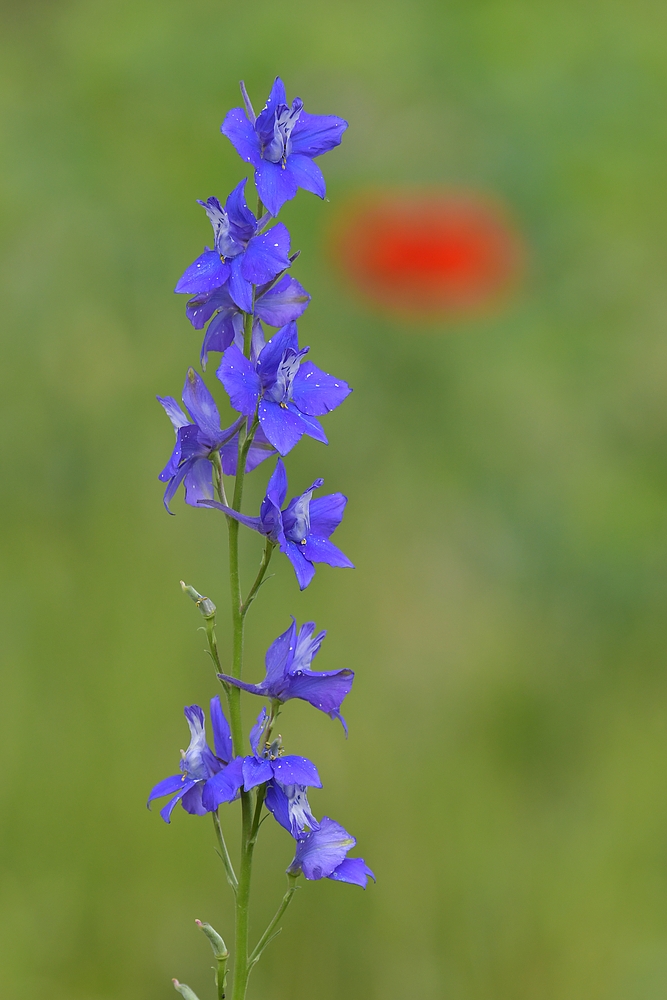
(437, 253)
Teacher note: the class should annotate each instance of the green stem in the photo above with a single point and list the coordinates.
(270, 931)
(224, 853)
(259, 579)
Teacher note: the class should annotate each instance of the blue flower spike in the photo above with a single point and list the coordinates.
(239, 288)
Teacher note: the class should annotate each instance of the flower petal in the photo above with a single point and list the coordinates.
(294, 770)
(222, 734)
(198, 482)
(315, 392)
(323, 689)
(166, 787)
(290, 807)
(278, 659)
(267, 255)
(287, 338)
(240, 380)
(323, 551)
(322, 851)
(312, 427)
(314, 135)
(167, 810)
(352, 870)
(192, 800)
(282, 427)
(201, 406)
(250, 522)
(307, 174)
(242, 136)
(284, 302)
(326, 513)
(274, 185)
(255, 772)
(255, 734)
(223, 786)
(204, 274)
(173, 411)
(305, 571)
(240, 288)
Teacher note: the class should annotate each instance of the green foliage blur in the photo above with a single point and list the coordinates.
(506, 767)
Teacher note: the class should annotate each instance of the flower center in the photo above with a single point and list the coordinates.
(281, 390)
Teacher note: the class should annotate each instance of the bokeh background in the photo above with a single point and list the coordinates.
(506, 767)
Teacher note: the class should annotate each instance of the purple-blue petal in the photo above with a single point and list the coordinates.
(311, 425)
(307, 174)
(242, 136)
(287, 338)
(255, 772)
(318, 549)
(201, 406)
(304, 570)
(266, 255)
(290, 807)
(166, 787)
(322, 851)
(255, 734)
(324, 689)
(283, 303)
(204, 274)
(220, 333)
(295, 770)
(240, 288)
(167, 810)
(277, 486)
(222, 734)
(192, 800)
(249, 522)
(173, 411)
(274, 185)
(282, 427)
(198, 482)
(314, 135)
(315, 392)
(355, 871)
(278, 660)
(223, 786)
(240, 380)
(326, 513)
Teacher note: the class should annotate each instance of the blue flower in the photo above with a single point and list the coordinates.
(195, 443)
(275, 304)
(281, 144)
(302, 529)
(322, 853)
(206, 778)
(287, 777)
(243, 255)
(288, 673)
(286, 393)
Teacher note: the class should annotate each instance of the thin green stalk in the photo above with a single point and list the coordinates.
(224, 853)
(259, 579)
(271, 931)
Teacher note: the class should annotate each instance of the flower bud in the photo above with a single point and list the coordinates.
(217, 944)
(184, 990)
(205, 604)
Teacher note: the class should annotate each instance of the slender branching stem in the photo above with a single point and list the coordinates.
(259, 579)
(224, 853)
(271, 931)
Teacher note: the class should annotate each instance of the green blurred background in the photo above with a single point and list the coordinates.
(505, 771)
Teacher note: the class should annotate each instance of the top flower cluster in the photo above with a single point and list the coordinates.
(237, 286)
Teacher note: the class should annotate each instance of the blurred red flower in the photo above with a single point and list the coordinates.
(435, 253)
